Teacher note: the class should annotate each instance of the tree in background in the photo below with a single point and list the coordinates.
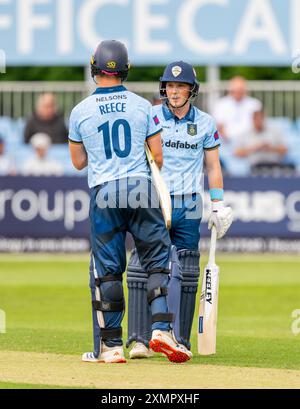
(143, 73)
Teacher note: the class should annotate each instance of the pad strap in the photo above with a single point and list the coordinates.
(108, 306)
(105, 279)
(155, 293)
(111, 333)
(162, 317)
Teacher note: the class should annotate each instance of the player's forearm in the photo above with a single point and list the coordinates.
(79, 156)
(155, 147)
(81, 163)
(158, 160)
(215, 177)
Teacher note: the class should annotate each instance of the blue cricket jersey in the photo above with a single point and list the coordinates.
(113, 125)
(184, 143)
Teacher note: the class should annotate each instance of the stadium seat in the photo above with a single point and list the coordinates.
(6, 128)
(284, 123)
(21, 155)
(232, 165)
(237, 167)
(60, 153)
(298, 126)
(20, 127)
(292, 139)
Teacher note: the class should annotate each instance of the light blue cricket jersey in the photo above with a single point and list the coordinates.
(184, 143)
(113, 125)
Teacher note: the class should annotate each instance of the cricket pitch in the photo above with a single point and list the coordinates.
(68, 370)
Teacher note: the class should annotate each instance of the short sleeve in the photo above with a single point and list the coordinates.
(154, 125)
(212, 137)
(74, 134)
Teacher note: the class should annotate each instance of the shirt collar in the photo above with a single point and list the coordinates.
(168, 114)
(109, 90)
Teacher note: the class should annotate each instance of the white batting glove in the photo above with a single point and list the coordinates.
(221, 217)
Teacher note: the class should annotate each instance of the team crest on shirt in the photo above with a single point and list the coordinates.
(192, 129)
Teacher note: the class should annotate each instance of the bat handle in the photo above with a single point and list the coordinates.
(213, 245)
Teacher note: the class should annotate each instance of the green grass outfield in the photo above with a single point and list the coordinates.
(47, 305)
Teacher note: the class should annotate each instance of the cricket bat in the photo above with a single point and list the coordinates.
(161, 188)
(208, 308)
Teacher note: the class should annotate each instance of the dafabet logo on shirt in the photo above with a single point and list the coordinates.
(179, 145)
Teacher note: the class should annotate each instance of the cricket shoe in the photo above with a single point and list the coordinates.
(109, 355)
(140, 351)
(164, 342)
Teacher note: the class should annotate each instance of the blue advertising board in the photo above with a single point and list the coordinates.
(263, 207)
(44, 207)
(59, 207)
(223, 32)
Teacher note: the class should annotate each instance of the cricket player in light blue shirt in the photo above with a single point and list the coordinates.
(108, 131)
(190, 137)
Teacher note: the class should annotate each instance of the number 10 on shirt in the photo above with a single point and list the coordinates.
(112, 139)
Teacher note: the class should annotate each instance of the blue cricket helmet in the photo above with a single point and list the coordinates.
(179, 71)
(111, 58)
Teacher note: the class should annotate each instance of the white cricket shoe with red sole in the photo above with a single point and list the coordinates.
(109, 355)
(165, 343)
(140, 351)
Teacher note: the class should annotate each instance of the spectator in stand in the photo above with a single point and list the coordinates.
(234, 112)
(39, 165)
(7, 166)
(47, 119)
(263, 146)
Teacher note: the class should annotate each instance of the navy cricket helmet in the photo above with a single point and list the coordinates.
(111, 58)
(179, 71)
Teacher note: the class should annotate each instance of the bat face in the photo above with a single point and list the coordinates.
(208, 310)
(206, 297)
(210, 290)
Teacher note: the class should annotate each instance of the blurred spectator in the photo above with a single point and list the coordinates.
(46, 119)
(156, 99)
(39, 165)
(234, 112)
(263, 146)
(7, 166)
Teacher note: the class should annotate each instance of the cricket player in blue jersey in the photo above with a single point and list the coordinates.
(108, 131)
(189, 136)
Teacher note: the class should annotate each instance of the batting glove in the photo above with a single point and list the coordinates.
(221, 217)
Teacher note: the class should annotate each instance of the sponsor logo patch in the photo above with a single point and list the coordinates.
(111, 64)
(180, 145)
(208, 289)
(216, 136)
(156, 120)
